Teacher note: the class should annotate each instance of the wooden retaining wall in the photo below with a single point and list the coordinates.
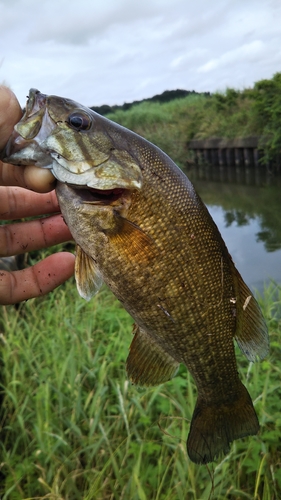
(229, 152)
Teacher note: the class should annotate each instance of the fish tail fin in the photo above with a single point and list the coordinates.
(213, 428)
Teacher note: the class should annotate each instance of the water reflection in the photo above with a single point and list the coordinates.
(249, 176)
(246, 206)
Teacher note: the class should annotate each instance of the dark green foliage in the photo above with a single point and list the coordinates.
(266, 96)
(227, 101)
(102, 110)
(166, 96)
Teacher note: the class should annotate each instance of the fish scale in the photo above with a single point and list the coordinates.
(156, 246)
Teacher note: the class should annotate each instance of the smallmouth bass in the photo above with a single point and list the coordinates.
(141, 228)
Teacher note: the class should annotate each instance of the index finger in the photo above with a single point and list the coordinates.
(17, 203)
(37, 280)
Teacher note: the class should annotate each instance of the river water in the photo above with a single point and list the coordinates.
(245, 203)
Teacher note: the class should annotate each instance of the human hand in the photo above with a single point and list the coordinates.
(16, 203)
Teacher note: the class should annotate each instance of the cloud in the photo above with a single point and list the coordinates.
(250, 52)
(78, 23)
(118, 50)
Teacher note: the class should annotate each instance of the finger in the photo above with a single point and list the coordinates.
(10, 113)
(37, 280)
(39, 179)
(33, 235)
(17, 203)
(31, 177)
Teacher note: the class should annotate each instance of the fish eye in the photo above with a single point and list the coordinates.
(79, 121)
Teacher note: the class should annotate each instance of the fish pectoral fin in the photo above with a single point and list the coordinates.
(87, 275)
(214, 427)
(130, 238)
(251, 333)
(148, 364)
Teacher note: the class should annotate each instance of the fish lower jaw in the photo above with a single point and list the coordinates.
(91, 196)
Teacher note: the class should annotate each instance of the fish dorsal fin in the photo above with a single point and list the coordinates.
(131, 239)
(251, 333)
(148, 364)
(87, 275)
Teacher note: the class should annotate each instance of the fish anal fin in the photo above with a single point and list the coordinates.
(148, 364)
(87, 275)
(131, 239)
(251, 332)
(214, 427)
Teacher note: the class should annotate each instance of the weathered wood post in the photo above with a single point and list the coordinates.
(248, 157)
(230, 160)
(239, 159)
(222, 157)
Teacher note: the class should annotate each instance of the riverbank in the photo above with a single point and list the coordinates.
(229, 115)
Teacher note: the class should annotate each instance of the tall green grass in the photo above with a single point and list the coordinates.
(73, 427)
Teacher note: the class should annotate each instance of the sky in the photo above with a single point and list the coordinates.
(114, 51)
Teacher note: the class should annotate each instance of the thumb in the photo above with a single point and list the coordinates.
(10, 114)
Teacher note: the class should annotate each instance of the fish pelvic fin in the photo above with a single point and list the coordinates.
(148, 364)
(87, 275)
(214, 427)
(251, 333)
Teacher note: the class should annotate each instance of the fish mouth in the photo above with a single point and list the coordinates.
(92, 196)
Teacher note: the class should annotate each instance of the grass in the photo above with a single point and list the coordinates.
(73, 427)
